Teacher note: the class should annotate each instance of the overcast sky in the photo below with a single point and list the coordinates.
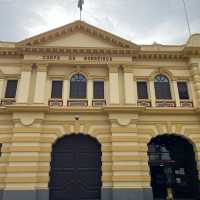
(141, 21)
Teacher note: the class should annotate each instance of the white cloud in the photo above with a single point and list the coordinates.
(138, 21)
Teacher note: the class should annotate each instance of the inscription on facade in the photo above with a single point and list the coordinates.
(98, 58)
(88, 58)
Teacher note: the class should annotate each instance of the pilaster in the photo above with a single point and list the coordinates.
(152, 93)
(23, 170)
(114, 85)
(65, 91)
(176, 93)
(24, 84)
(196, 78)
(193, 93)
(129, 86)
(90, 92)
(2, 81)
(40, 86)
(129, 154)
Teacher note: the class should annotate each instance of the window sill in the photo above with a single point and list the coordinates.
(98, 102)
(55, 102)
(8, 101)
(186, 103)
(165, 103)
(77, 102)
(144, 102)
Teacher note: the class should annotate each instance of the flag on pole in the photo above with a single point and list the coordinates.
(80, 4)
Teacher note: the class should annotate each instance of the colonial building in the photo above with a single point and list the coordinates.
(88, 115)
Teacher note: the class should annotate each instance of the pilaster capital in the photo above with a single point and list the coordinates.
(1, 75)
(26, 67)
(42, 67)
(113, 68)
(194, 65)
(127, 69)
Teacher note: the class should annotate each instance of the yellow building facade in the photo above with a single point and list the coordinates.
(33, 123)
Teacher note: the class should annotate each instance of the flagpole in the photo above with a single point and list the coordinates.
(80, 6)
(187, 17)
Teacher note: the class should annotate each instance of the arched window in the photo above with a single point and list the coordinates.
(162, 87)
(78, 87)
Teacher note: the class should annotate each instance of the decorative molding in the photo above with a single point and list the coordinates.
(56, 77)
(27, 119)
(123, 119)
(162, 71)
(113, 68)
(1, 75)
(26, 67)
(127, 68)
(42, 67)
(152, 56)
(78, 70)
(96, 77)
(78, 26)
(12, 76)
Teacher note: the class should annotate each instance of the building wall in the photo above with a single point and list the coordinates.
(27, 145)
(29, 127)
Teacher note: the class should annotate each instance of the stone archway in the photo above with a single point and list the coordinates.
(173, 167)
(75, 168)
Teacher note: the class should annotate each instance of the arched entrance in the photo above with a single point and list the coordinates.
(173, 167)
(75, 169)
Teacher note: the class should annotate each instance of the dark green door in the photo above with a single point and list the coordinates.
(75, 169)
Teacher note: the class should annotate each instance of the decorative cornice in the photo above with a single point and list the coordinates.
(106, 109)
(159, 56)
(136, 54)
(10, 53)
(78, 51)
(191, 51)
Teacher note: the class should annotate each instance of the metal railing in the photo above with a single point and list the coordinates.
(55, 102)
(8, 101)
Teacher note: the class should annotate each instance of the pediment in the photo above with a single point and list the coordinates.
(78, 34)
(79, 39)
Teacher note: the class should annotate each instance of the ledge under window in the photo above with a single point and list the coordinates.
(8, 101)
(186, 103)
(165, 103)
(98, 102)
(55, 102)
(77, 102)
(144, 102)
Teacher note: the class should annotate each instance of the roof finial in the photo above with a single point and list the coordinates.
(80, 6)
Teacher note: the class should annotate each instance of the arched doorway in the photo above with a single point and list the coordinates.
(75, 169)
(173, 167)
